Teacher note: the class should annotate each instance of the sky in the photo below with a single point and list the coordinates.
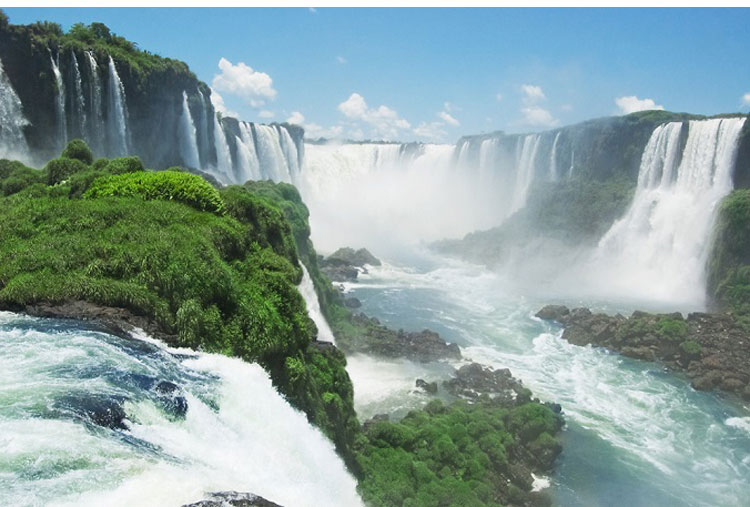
(435, 74)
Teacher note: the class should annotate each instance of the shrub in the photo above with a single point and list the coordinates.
(691, 348)
(166, 185)
(123, 165)
(78, 149)
(14, 176)
(100, 164)
(671, 329)
(60, 169)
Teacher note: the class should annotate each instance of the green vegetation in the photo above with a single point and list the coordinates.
(460, 454)
(14, 176)
(729, 265)
(223, 279)
(79, 150)
(691, 348)
(60, 169)
(187, 188)
(122, 165)
(671, 329)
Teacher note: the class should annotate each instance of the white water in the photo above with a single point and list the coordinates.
(60, 117)
(658, 250)
(117, 113)
(249, 165)
(204, 113)
(223, 170)
(238, 433)
(526, 150)
(12, 121)
(553, 159)
(96, 133)
(79, 101)
(187, 136)
(307, 289)
(273, 163)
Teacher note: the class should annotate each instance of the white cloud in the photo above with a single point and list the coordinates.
(745, 99)
(450, 107)
(313, 130)
(312, 9)
(632, 104)
(532, 93)
(218, 102)
(499, 97)
(342, 60)
(383, 121)
(432, 131)
(538, 117)
(252, 86)
(266, 114)
(447, 118)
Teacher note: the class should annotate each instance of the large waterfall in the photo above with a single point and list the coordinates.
(118, 112)
(188, 136)
(96, 115)
(60, 117)
(12, 121)
(307, 289)
(60, 378)
(78, 101)
(659, 249)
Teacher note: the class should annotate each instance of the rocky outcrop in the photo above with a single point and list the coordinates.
(421, 346)
(345, 264)
(473, 381)
(233, 499)
(712, 349)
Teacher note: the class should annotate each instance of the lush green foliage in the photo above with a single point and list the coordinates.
(729, 266)
(14, 176)
(164, 185)
(456, 455)
(672, 329)
(123, 165)
(60, 169)
(691, 348)
(78, 149)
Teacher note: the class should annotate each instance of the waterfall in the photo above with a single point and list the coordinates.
(660, 246)
(572, 163)
(249, 164)
(60, 117)
(238, 432)
(203, 138)
(553, 159)
(96, 122)
(307, 289)
(273, 163)
(290, 152)
(187, 136)
(79, 101)
(12, 121)
(526, 151)
(117, 113)
(223, 155)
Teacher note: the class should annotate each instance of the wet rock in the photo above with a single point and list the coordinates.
(428, 387)
(352, 302)
(171, 398)
(473, 381)
(233, 499)
(351, 257)
(101, 410)
(553, 312)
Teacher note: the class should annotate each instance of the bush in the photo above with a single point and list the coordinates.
(691, 348)
(100, 164)
(166, 185)
(14, 176)
(60, 169)
(672, 329)
(78, 149)
(123, 165)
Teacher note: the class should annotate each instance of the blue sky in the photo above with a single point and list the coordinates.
(437, 74)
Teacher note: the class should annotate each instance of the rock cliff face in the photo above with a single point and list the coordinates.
(91, 84)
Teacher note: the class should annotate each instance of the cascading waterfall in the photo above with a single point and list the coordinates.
(223, 155)
(271, 157)
(659, 248)
(60, 117)
(203, 137)
(237, 434)
(553, 159)
(187, 136)
(79, 101)
(13, 143)
(290, 152)
(96, 132)
(117, 113)
(307, 289)
(249, 163)
(526, 159)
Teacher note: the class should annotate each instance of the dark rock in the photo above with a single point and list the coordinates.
(171, 398)
(340, 273)
(428, 387)
(474, 380)
(349, 256)
(97, 409)
(553, 312)
(352, 302)
(233, 499)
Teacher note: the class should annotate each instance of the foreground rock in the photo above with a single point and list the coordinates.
(369, 336)
(233, 499)
(713, 349)
(345, 264)
(473, 381)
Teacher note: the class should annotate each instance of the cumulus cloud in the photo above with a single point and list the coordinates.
(632, 104)
(538, 117)
(532, 93)
(218, 102)
(382, 120)
(341, 60)
(447, 118)
(745, 99)
(254, 87)
(313, 130)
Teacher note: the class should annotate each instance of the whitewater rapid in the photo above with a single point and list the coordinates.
(238, 432)
(636, 435)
